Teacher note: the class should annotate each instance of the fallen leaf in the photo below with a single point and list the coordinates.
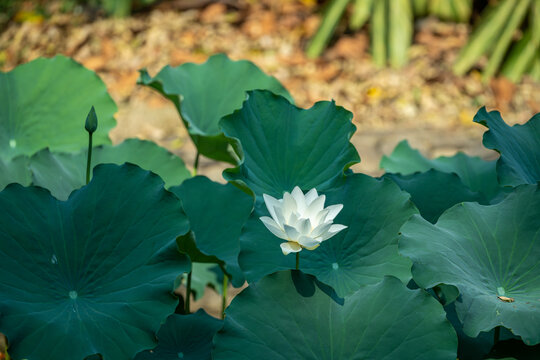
(506, 299)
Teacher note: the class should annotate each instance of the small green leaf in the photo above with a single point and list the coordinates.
(277, 319)
(477, 174)
(434, 191)
(91, 121)
(519, 146)
(203, 275)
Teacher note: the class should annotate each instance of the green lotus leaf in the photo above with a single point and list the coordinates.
(473, 348)
(478, 174)
(44, 103)
(272, 320)
(284, 146)
(216, 213)
(204, 93)
(15, 171)
(374, 210)
(434, 191)
(446, 294)
(93, 274)
(491, 254)
(62, 173)
(187, 337)
(204, 275)
(519, 146)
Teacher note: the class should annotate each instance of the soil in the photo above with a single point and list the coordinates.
(422, 102)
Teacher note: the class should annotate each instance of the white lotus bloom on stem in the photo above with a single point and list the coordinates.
(301, 220)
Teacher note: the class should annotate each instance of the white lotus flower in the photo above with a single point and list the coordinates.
(301, 220)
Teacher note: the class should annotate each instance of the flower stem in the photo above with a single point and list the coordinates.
(224, 296)
(496, 335)
(297, 260)
(89, 159)
(90, 125)
(188, 293)
(196, 164)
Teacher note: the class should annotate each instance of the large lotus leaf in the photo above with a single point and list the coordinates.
(187, 337)
(62, 173)
(284, 146)
(478, 174)
(272, 320)
(434, 191)
(491, 254)
(15, 171)
(93, 274)
(204, 93)
(519, 146)
(44, 104)
(374, 210)
(216, 213)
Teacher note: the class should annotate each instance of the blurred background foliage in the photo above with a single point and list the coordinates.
(506, 31)
(32, 10)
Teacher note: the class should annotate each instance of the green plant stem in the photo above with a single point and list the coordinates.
(400, 27)
(89, 160)
(331, 18)
(196, 164)
(379, 32)
(224, 296)
(188, 293)
(484, 37)
(297, 260)
(361, 13)
(496, 335)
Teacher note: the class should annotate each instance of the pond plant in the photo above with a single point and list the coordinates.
(436, 259)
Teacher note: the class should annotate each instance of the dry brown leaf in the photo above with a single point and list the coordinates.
(213, 13)
(504, 90)
(95, 63)
(349, 47)
(506, 299)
